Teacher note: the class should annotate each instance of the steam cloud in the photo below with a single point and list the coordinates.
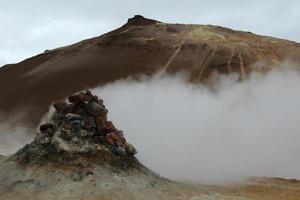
(190, 133)
(13, 137)
(187, 132)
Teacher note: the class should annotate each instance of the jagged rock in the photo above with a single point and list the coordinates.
(81, 127)
(116, 138)
(140, 21)
(109, 126)
(47, 129)
(77, 99)
(95, 109)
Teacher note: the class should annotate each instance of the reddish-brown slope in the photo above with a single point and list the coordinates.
(141, 46)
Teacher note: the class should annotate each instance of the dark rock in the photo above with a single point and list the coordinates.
(60, 106)
(98, 101)
(87, 96)
(47, 129)
(139, 20)
(95, 109)
(77, 99)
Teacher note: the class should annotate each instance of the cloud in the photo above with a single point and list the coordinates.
(188, 132)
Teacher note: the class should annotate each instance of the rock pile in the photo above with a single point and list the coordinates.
(81, 126)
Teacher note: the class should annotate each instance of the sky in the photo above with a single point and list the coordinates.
(32, 26)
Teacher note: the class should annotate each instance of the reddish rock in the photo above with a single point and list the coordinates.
(77, 99)
(109, 140)
(114, 136)
(100, 123)
(109, 127)
(121, 136)
(117, 140)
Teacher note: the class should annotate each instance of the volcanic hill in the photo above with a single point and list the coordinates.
(141, 46)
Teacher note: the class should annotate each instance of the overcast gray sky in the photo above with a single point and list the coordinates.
(29, 27)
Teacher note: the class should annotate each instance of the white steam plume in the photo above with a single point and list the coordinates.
(187, 132)
(13, 137)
